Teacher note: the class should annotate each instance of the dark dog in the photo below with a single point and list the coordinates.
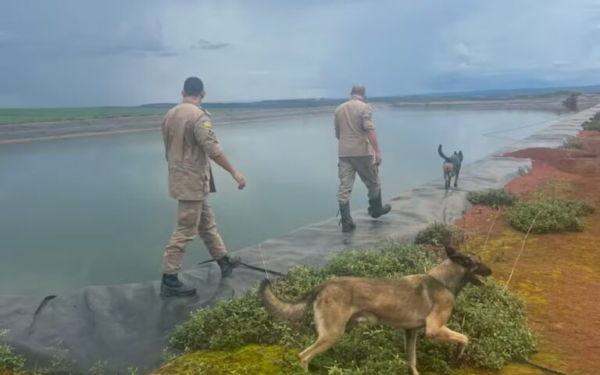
(451, 166)
(410, 302)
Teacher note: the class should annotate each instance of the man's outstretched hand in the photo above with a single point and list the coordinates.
(225, 164)
(239, 178)
(378, 159)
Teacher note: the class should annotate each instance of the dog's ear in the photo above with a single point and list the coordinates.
(450, 251)
(457, 257)
(462, 259)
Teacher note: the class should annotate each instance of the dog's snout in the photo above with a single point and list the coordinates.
(483, 270)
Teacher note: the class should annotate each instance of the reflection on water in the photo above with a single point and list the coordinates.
(94, 211)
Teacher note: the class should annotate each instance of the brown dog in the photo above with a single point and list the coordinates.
(451, 167)
(410, 302)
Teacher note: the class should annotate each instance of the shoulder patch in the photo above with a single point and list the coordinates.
(207, 124)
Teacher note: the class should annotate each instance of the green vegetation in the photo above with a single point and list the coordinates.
(9, 359)
(550, 215)
(438, 234)
(101, 367)
(493, 198)
(494, 320)
(251, 359)
(25, 115)
(572, 144)
(593, 123)
(12, 363)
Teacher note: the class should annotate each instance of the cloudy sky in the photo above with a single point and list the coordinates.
(114, 52)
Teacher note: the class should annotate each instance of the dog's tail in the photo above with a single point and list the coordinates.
(291, 311)
(442, 154)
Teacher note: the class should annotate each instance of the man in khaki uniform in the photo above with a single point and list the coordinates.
(358, 152)
(190, 144)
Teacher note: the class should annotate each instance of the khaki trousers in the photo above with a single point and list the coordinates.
(367, 171)
(193, 218)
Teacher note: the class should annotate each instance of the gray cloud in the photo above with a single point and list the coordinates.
(81, 29)
(133, 42)
(82, 47)
(138, 51)
(203, 44)
(6, 36)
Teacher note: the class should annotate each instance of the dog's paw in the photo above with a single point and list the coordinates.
(456, 361)
(458, 355)
(304, 367)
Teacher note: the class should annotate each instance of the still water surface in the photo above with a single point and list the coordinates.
(95, 211)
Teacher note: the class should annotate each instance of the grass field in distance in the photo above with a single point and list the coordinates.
(26, 115)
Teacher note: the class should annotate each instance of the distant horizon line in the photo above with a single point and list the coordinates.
(471, 94)
(465, 94)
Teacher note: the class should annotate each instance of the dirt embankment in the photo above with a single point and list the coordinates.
(12, 133)
(558, 274)
(547, 103)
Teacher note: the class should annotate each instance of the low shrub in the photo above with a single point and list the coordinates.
(13, 363)
(572, 144)
(438, 234)
(250, 359)
(10, 361)
(524, 171)
(494, 320)
(553, 215)
(493, 198)
(593, 123)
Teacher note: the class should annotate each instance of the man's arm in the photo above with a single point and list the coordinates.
(372, 137)
(225, 164)
(369, 129)
(337, 126)
(165, 138)
(208, 141)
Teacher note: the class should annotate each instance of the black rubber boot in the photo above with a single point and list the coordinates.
(377, 209)
(346, 219)
(171, 286)
(227, 265)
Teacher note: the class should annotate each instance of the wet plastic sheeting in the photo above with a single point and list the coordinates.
(128, 325)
